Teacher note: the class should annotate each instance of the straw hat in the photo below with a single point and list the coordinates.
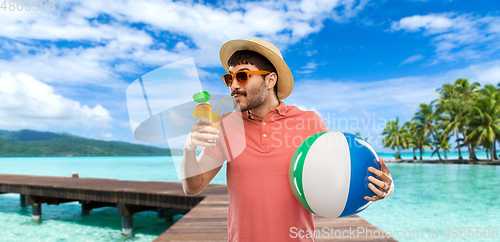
(268, 50)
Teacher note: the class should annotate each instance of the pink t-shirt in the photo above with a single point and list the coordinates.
(262, 206)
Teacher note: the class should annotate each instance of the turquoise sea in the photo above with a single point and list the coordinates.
(428, 197)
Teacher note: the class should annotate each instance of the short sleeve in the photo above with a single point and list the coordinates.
(321, 124)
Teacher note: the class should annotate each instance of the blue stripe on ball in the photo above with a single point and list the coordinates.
(361, 158)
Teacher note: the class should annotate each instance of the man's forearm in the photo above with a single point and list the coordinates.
(191, 173)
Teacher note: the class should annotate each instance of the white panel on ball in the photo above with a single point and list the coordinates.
(328, 158)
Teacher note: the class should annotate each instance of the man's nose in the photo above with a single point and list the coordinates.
(234, 85)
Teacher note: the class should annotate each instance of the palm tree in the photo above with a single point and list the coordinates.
(453, 123)
(396, 137)
(495, 146)
(447, 91)
(487, 149)
(442, 142)
(485, 123)
(435, 144)
(455, 102)
(425, 119)
(445, 145)
(493, 93)
(466, 94)
(453, 120)
(413, 143)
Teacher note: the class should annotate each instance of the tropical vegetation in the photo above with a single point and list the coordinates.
(464, 112)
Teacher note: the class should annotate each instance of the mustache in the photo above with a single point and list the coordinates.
(239, 93)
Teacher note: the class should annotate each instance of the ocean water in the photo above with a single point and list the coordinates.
(428, 197)
(442, 200)
(65, 222)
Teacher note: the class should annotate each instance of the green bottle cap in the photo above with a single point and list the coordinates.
(201, 96)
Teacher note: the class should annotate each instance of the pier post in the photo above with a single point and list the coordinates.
(169, 219)
(127, 211)
(127, 225)
(168, 213)
(23, 200)
(86, 207)
(36, 213)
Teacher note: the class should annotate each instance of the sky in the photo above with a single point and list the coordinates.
(357, 63)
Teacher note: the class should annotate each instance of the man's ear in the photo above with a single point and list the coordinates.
(271, 80)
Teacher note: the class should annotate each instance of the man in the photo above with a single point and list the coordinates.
(261, 204)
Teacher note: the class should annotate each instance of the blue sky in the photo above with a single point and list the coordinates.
(358, 61)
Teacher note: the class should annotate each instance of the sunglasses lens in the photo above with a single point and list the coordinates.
(228, 79)
(242, 77)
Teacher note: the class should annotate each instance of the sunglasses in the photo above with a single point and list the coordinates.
(240, 76)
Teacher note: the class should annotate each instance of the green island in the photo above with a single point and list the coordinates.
(35, 143)
(465, 111)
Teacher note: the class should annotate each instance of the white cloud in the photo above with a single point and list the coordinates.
(311, 65)
(456, 36)
(432, 23)
(71, 67)
(107, 135)
(308, 68)
(197, 30)
(29, 103)
(412, 59)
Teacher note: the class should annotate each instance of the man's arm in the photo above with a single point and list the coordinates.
(197, 173)
(205, 168)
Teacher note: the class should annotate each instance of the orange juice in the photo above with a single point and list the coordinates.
(207, 111)
(214, 116)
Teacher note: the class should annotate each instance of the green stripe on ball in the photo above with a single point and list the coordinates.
(296, 168)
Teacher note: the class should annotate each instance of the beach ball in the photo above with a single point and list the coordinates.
(328, 174)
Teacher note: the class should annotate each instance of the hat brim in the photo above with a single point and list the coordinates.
(285, 77)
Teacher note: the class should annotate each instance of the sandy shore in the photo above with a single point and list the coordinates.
(450, 161)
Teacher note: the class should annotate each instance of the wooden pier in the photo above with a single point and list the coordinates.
(208, 222)
(129, 197)
(205, 216)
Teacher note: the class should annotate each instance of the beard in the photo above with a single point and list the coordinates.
(252, 99)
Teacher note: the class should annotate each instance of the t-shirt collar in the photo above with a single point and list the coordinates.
(281, 109)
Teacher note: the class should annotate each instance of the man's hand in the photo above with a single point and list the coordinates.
(202, 134)
(196, 173)
(385, 185)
